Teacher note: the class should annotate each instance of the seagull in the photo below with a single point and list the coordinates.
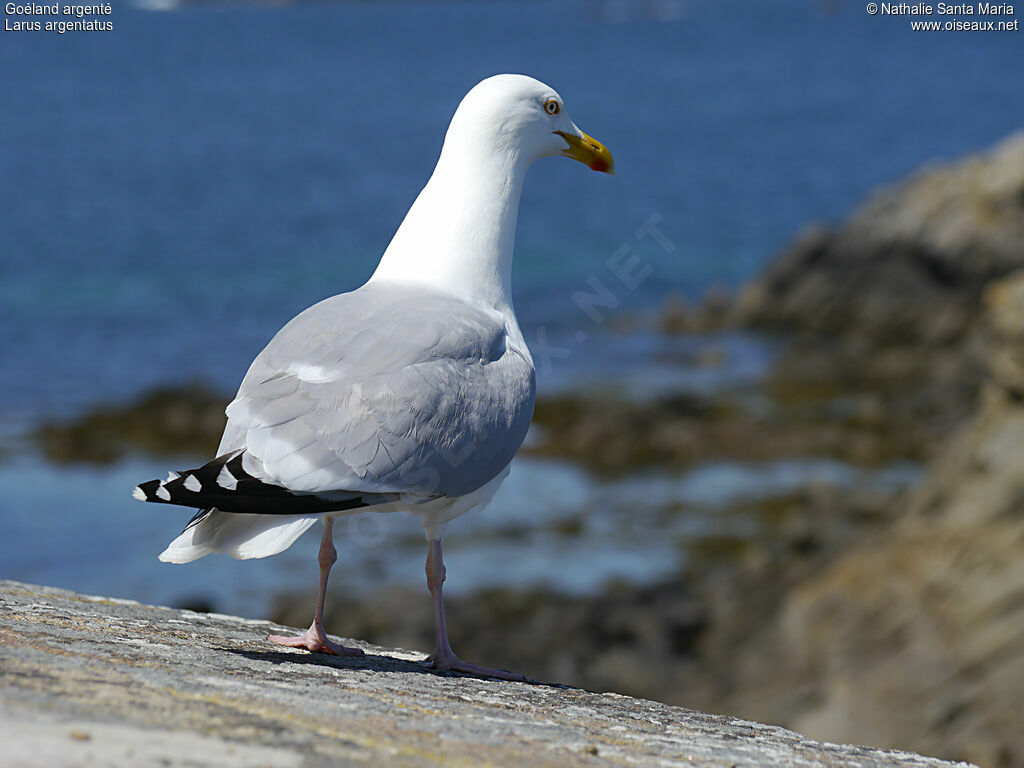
(411, 393)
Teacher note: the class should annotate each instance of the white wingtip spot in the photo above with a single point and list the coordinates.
(192, 484)
(139, 494)
(163, 493)
(172, 475)
(226, 480)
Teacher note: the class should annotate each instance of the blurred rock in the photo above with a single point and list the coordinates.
(805, 418)
(915, 635)
(168, 421)
(714, 312)
(909, 266)
(885, 311)
(1005, 337)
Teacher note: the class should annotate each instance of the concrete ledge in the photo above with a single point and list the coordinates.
(89, 681)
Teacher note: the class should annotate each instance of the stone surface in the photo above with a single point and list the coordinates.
(91, 681)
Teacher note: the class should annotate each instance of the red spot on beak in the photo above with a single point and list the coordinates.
(599, 164)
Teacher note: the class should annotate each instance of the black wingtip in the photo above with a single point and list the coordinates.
(225, 485)
(148, 491)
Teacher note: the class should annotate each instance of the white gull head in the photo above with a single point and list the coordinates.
(459, 235)
(515, 119)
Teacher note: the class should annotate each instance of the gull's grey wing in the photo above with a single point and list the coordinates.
(384, 390)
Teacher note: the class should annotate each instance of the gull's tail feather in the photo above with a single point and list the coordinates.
(223, 484)
(240, 515)
(240, 535)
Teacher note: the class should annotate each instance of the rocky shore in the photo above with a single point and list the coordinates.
(893, 618)
(887, 309)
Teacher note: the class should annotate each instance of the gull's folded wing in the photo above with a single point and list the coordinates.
(384, 390)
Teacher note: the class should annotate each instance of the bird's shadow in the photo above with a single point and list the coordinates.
(370, 662)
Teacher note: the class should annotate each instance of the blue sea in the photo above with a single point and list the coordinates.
(175, 190)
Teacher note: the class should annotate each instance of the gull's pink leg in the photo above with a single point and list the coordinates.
(315, 639)
(443, 657)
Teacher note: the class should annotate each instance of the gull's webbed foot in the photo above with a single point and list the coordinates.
(450, 662)
(315, 640)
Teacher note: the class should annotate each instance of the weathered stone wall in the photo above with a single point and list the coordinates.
(87, 681)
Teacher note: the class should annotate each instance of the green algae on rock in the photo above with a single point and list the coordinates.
(168, 421)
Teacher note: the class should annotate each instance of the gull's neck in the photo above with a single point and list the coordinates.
(459, 234)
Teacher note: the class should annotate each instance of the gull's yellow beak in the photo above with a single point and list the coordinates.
(591, 152)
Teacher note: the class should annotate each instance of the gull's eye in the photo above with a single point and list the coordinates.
(551, 107)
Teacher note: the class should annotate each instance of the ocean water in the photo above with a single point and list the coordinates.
(550, 524)
(174, 191)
